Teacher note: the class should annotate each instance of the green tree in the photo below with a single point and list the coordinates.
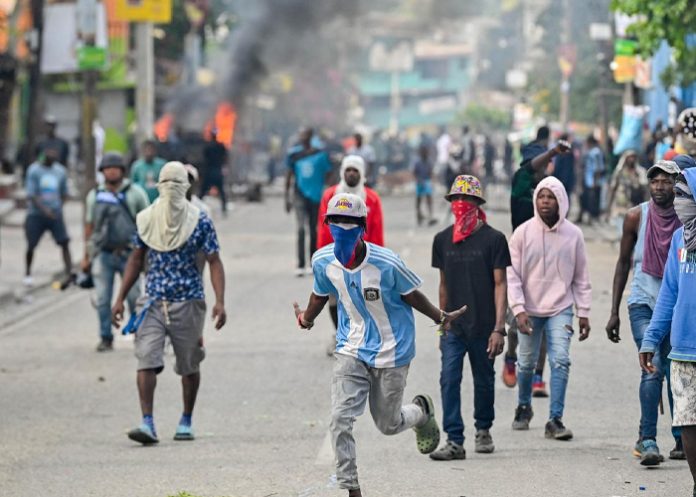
(485, 118)
(673, 21)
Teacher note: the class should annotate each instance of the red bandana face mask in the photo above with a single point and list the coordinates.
(466, 218)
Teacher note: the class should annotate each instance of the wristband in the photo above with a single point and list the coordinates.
(304, 324)
(501, 331)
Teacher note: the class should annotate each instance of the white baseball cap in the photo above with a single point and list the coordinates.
(348, 205)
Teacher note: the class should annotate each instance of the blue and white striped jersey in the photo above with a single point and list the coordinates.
(374, 324)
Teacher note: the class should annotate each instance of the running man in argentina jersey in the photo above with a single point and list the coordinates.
(376, 296)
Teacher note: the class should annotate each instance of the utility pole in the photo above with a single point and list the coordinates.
(564, 116)
(34, 83)
(395, 103)
(87, 32)
(145, 77)
(601, 33)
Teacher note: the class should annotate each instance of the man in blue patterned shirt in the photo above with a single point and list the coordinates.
(171, 232)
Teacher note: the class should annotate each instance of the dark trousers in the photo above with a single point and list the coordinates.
(453, 348)
(217, 181)
(307, 213)
(590, 201)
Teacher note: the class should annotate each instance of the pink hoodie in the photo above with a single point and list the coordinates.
(549, 265)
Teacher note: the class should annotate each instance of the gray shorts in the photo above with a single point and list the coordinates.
(683, 379)
(185, 330)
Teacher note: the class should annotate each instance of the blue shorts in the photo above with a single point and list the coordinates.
(37, 224)
(424, 188)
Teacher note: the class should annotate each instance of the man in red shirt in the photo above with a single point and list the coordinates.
(352, 181)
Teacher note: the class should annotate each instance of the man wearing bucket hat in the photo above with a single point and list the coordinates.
(375, 338)
(110, 212)
(171, 233)
(472, 258)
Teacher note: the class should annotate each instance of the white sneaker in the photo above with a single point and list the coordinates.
(300, 272)
(28, 281)
(309, 271)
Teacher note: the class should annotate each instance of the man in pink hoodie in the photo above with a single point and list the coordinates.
(548, 275)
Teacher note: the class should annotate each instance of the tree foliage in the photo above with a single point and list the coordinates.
(673, 21)
(485, 118)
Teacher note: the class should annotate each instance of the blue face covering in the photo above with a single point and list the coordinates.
(345, 241)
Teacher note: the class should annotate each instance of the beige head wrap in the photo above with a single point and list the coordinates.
(169, 222)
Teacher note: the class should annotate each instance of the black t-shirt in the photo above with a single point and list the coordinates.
(215, 155)
(468, 268)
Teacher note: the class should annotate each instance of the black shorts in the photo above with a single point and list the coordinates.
(36, 225)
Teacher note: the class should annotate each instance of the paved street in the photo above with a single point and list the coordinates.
(262, 415)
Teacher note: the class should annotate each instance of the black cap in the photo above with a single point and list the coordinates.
(112, 159)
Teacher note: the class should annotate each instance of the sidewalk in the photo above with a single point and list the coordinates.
(48, 263)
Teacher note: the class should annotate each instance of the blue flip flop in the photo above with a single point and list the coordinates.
(184, 433)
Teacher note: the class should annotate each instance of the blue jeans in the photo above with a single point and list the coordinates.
(650, 391)
(104, 269)
(558, 349)
(453, 348)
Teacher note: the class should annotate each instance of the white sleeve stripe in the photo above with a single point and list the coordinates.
(316, 259)
(398, 265)
(405, 272)
(409, 275)
(322, 252)
(326, 249)
(411, 290)
(391, 257)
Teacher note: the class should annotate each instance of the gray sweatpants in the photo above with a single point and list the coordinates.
(353, 382)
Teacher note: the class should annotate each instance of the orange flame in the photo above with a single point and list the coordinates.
(162, 127)
(224, 122)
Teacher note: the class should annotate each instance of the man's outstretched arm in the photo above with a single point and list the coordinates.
(314, 307)
(420, 302)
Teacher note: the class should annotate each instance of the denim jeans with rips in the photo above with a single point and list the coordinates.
(558, 348)
(650, 391)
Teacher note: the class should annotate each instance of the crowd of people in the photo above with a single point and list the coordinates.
(47, 182)
(527, 289)
(538, 280)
